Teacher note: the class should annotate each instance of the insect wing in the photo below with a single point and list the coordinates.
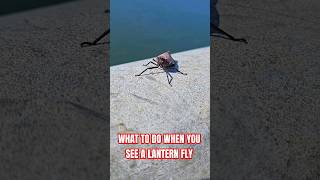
(167, 58)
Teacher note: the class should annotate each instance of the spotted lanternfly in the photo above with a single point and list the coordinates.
(165, 62)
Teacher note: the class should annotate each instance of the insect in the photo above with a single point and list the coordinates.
(165, 62)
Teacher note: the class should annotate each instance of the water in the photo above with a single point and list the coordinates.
(12, 6)
(144, 28)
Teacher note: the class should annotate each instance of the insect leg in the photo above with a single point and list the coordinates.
(101, 36)
(180, 71)
(169, 81)
(167, 77)
(146, 69)
(149, 63)
(84, 44)
(228, 35)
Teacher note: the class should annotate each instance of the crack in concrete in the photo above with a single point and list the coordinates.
(145, 99)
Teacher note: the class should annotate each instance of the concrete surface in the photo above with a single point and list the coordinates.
(54, 94)
(265, 95)
(147, 104)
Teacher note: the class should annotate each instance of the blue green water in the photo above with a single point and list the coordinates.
(145, 28)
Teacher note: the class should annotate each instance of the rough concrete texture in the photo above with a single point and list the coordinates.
(54, 94)
(265, 95)
(147, 104)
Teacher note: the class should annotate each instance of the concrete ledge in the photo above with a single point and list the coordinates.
(147, 104)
